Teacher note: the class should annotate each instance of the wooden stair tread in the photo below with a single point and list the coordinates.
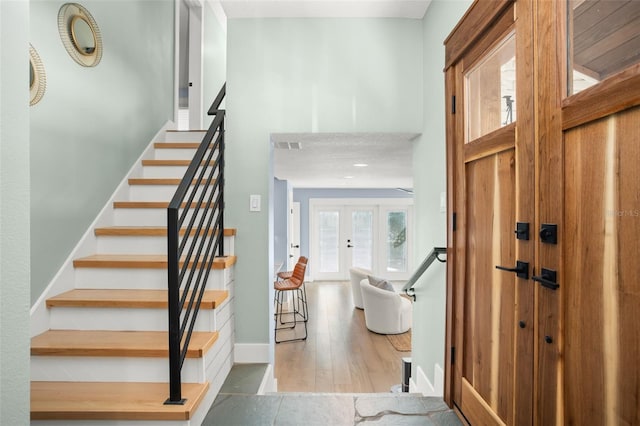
(112, 401)
(142, 231)
(107, 343)
(146, 261)
(146, 204)
(177, 145)
(165, 181)
(166, 162)
(151, 299)
(155, 231)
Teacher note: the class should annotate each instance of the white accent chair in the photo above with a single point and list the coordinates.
(357, 275)
(385, 312)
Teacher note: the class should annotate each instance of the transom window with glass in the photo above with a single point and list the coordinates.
(490, 88)
(603, 39)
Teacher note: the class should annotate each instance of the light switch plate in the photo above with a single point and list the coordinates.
(443, 202)
(254, 203)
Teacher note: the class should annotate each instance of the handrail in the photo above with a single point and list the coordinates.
(213, 109)
(190, 254)
(433, 255)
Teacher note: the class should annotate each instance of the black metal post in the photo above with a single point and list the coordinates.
(175, 380)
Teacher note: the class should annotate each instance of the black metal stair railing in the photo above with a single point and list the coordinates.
(192, 248)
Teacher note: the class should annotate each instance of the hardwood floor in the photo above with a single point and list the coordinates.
(340, 355)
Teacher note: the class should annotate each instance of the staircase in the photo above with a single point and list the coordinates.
(99, 351)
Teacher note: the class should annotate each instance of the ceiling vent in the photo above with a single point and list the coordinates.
(288, 145)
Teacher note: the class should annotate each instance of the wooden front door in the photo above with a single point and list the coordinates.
(588, 336)
(490, 192)
(560, 346)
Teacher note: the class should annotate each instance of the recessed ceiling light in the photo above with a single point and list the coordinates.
(348, 177)
(360, 165)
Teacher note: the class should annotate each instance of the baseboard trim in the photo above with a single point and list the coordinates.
(249, 353)
(423, 385)
(269, 383)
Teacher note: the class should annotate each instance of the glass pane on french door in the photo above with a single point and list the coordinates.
(361, 244)
(329, 241)
(396, 242)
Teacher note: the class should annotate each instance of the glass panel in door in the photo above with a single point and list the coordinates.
(328, 240)
(396, 259)
(360, 244)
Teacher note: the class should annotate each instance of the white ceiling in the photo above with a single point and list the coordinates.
(325, 8)
(326, 160)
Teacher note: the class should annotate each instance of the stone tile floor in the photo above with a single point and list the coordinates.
(237, 404)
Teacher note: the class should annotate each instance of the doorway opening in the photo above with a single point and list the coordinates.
(348, 214)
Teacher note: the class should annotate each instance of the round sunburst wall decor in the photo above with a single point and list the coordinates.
(37, 77)
(80, 34)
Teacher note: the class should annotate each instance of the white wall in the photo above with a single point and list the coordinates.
(14, 213)
(429, 182)
(92, 123)
(304, 75)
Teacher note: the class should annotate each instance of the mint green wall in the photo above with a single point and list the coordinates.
(429, 169)
(304, 75)
(14, 213)
(93, 122)
(214, 61)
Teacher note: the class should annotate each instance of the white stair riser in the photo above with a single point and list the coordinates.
(132, 319)
(167, 172)
(139, 279)
(143, 245)
(162, 193)
(184, 136)
(148, 217)
(122, 319)
(112, 369)
(174, 153)
(163, 171)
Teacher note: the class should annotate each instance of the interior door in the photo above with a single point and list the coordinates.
(195, 64)
(485, 270)
(294, 234)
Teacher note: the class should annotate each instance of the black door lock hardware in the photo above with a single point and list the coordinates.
(547, 279)
(549, 233)
(521, 269)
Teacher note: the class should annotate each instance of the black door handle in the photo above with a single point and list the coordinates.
(547, 279)
(521, 269)
(295, 246)
(349, 246)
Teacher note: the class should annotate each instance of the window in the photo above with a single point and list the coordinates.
(490, 88)
(603, 39)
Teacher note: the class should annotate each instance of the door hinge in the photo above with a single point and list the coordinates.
(454, 221)
(453, 355)
(453, 104)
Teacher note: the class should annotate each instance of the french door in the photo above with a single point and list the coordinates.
(344, 237)
(373, 237)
